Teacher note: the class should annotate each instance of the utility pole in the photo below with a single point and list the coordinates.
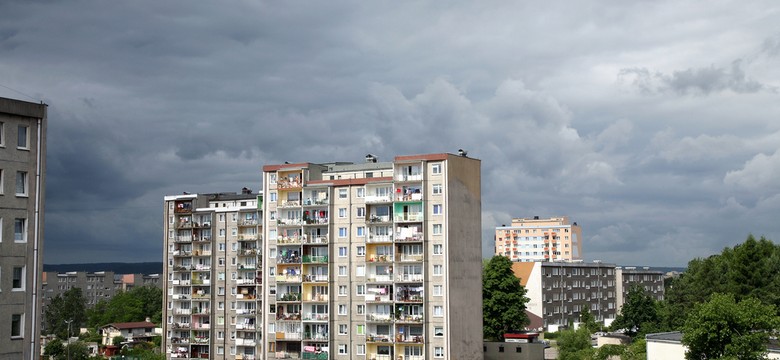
(68, 346)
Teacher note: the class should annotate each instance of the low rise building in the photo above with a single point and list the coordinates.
(651, 281)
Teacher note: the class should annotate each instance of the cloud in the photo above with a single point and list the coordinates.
(695, 81)
(759, 174)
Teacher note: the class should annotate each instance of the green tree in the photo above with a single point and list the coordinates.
(588, 321)
(69, 306)
(575, 345)
(117, 340)
(134, 305)
(638, 312)
(503, 300)
(54, 348)
(723, 327)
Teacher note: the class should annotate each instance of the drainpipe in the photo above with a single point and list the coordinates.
(36, 240)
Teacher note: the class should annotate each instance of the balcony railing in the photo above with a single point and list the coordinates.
(289, 297)
(315, 317)
(201, 326)
(316, 336)
(379, 317)
(379, 338)
(288, 278)
(408, 298)
(289, 222)
(288, 317)
(316, 221)
(410, 217)
(317, 298)
(291, 203)
(409, 197)
(244, 327)
(246, 342)
(379, 238)
(288, 240)
(248, 252)
(289, 259)
(315, 240)
(315, 278)
(315, 202)
(288, 184)
(288, 335)
(411, 257)
(375, 356)
(249, 237)
(182, 311)
(417, 236)
(410, 277)
(413, 177)
(317, 259)
(379, 278)
(370, 199)
(248, 281)
(379, 219)
(378, 298)
(286, 355)
(201, 282)
(406, 338)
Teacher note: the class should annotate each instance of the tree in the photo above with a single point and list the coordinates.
(638, 312)
(588, 321)
(54, 348)
(118, 340)
(134, 305)
(575, 345)
(69, 306)
(503, 300)
(723, 327)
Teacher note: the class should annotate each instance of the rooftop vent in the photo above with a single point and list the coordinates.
(246, 190)
(536, 217)
(370, 158)
(462, 152)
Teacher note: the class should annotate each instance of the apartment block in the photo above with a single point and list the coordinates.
(22, 184)
(651, 281)
(535, 239)
(213, 278)
(560, 291)
(376, 260)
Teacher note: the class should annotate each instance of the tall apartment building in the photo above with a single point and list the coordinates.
(377, 260)
(22, 179)
(535, 239)
(213, 277)
(558, 292)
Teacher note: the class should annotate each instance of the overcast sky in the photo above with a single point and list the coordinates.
(653, 124)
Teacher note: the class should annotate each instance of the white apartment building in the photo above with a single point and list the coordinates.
(376, 260)
(535, 239)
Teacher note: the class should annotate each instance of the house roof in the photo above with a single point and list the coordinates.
(132, 325)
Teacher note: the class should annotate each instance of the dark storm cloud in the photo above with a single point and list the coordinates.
(150, 98)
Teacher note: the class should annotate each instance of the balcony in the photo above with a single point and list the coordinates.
(382, 318)
(289, 222)
(315, 317)
(255, 281)
(375, 356)
(380, 258)
(410, 278)
(411, 257)
(246, 342)
(246, 297)
(315, 239)
(317, 298)
(409, 217)
(201, 326)
(316, 336)
(379, 219)
(180, 297)
(404, 318)
(182, 311)
(288, 278)
(289, 297)
(289, 204)
(380, 238)
(288, 336)
(315, 202)
(379, 338)
(413, 339)
(317, 221)
(315, 278)
(248, 252)
(183, 239)
(201, 282)
(288, 240)
(178, 253)
(379, 278)
(202, 253)
(289, 183)
(374, 199)
(315, 259)
(288, 317)
(244, 327)
(177, 326)
(408, 236)
(409, 197)
(289, 259)
(249, 237)
(412, 177)
(378, 298)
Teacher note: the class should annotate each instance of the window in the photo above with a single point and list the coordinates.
(437, 269)
(361, 211)
(342, 290)
(360, 329)
(437, 209)
(272, 196)
(221, 217)
(361, 309)
(342, 349)
(437, 189)
(438, 249)
(20, 230)
(360, 349)
(360, 270)
(342, 270)
(18, 278)
(342, 329)
(342, 212)
(437, 229)
(21, 183)
(342, 193)
(361, 250)
(436, 168)
(342, 232)
(221, 349)
(438, 290)
(361, 192)
(24, 137)
(2, 187)
(438, 352)
(2, 134)
(342, 307)
(438, 311)
(361, 231)
(16, 326)
(361, 290)
(342, 251)
(438, 331)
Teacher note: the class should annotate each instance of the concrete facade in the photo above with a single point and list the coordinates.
(22, 183)
(668, 346)
(535, 239)
(651, 281)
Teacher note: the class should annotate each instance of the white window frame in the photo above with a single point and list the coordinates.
(343, 270)
(438, 311)
(20, 323)
(343, 291)
(360, 250)
(438, 209)
(438, 352)
(26, 146)
(22, 278)
(360, 349)
(342, 213)
(437, 229)
(23, 235)
(24, 182)
(361, 192)
(342, 193)
(342, 349)
(342, 232)
(343, 329)
(436, 168)
(438, 249)
(437, 189)
(438, 269)
(438, 290)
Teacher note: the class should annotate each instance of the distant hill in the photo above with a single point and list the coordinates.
(117, 268)
(663, 269)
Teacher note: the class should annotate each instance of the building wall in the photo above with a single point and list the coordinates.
(530, 275)
(513, 351)
(651, 281)
(21, 302)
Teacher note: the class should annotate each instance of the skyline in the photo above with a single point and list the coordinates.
(653, 125)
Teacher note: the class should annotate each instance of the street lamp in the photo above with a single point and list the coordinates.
(68, 346)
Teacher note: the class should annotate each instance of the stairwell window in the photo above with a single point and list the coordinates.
(21, 183)
(16, 326)
(23, 142)
(20, 230)
(17, 284)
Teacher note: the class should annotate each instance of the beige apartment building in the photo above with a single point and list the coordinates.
(377, 260)
(374, 260)
(535, 239)
(22, 180)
